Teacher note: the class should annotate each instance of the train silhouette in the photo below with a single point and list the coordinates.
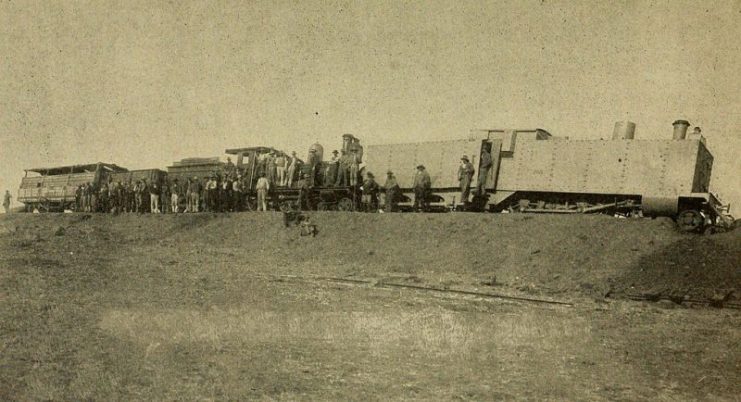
(531, 172)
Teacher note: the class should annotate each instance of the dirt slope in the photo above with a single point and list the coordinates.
(194, 307)
(560, 256)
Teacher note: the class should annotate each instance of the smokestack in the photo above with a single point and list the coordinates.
(680, 129)
(624, 130)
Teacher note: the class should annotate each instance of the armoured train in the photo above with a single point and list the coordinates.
(532, 171)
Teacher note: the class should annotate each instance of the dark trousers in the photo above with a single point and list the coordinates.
(465, 189)
(420, 198)
(343, 176)
(236, 201)
(390, 201)
(483, 174)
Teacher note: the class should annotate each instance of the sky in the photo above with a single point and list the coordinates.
(144, 83)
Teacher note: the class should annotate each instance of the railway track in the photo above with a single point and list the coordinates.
(499, 296)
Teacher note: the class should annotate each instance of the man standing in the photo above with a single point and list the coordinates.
(138, 197)
(189, 195)
(174, 194)
(271, 167)
(229, 168)
(343, 170)
(78, 198)
(353, 161)
(392, 191)
(370, 193)
(130, 197)
(294, 166)
(313, 167)
(88, 197)
(280, 166)
(154, 198)
(195, 194)
(6, 201)
(263, 185)
(209, 194)
(226, 194)
(465, 174)
(103, 197)
(165, 197)
(422, 185)
(304, 193)
(330, 173)
(484, 166)
(237, 194)
(94, 199)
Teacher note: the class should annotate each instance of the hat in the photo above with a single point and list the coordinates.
(464, 158)
(389, 172)
(369, 174)
(421, 167)
(335, 152)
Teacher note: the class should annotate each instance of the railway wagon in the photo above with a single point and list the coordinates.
(533, 171)
(53, 189)
(194, 167)
(132, 176)
(287, 198)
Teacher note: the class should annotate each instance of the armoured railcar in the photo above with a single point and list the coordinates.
(532, 171)
(53, 189)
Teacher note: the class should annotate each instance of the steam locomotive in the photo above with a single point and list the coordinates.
(532, 171)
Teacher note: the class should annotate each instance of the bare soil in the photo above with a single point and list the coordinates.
(237, 306)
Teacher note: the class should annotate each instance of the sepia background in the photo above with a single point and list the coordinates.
(144, 83)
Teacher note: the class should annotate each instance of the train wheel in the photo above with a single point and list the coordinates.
(344, 204)
(690, 220)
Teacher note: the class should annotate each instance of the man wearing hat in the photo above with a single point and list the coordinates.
(237, 187)
(262, 187)
(195, 194)
(370, 193)
(465, 174)
(392, 191)
(422, 185)
(291, 164)
(354, 167)
(175, 193)
(330, 172)
(280, 167)
(344, 170)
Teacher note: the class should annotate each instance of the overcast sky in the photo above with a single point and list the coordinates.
(143, 84)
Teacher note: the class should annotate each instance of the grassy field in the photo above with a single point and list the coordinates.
(195, 308)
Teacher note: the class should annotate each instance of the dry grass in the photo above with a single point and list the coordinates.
(111, 312)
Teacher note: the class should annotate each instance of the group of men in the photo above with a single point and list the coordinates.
(277, 167)
(215, 194)
(422, 184)
(341, 170)
(226, 191)
(139, 196)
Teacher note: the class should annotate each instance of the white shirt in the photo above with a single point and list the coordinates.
(263, 184)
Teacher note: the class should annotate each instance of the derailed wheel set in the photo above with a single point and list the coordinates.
(516, 171)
